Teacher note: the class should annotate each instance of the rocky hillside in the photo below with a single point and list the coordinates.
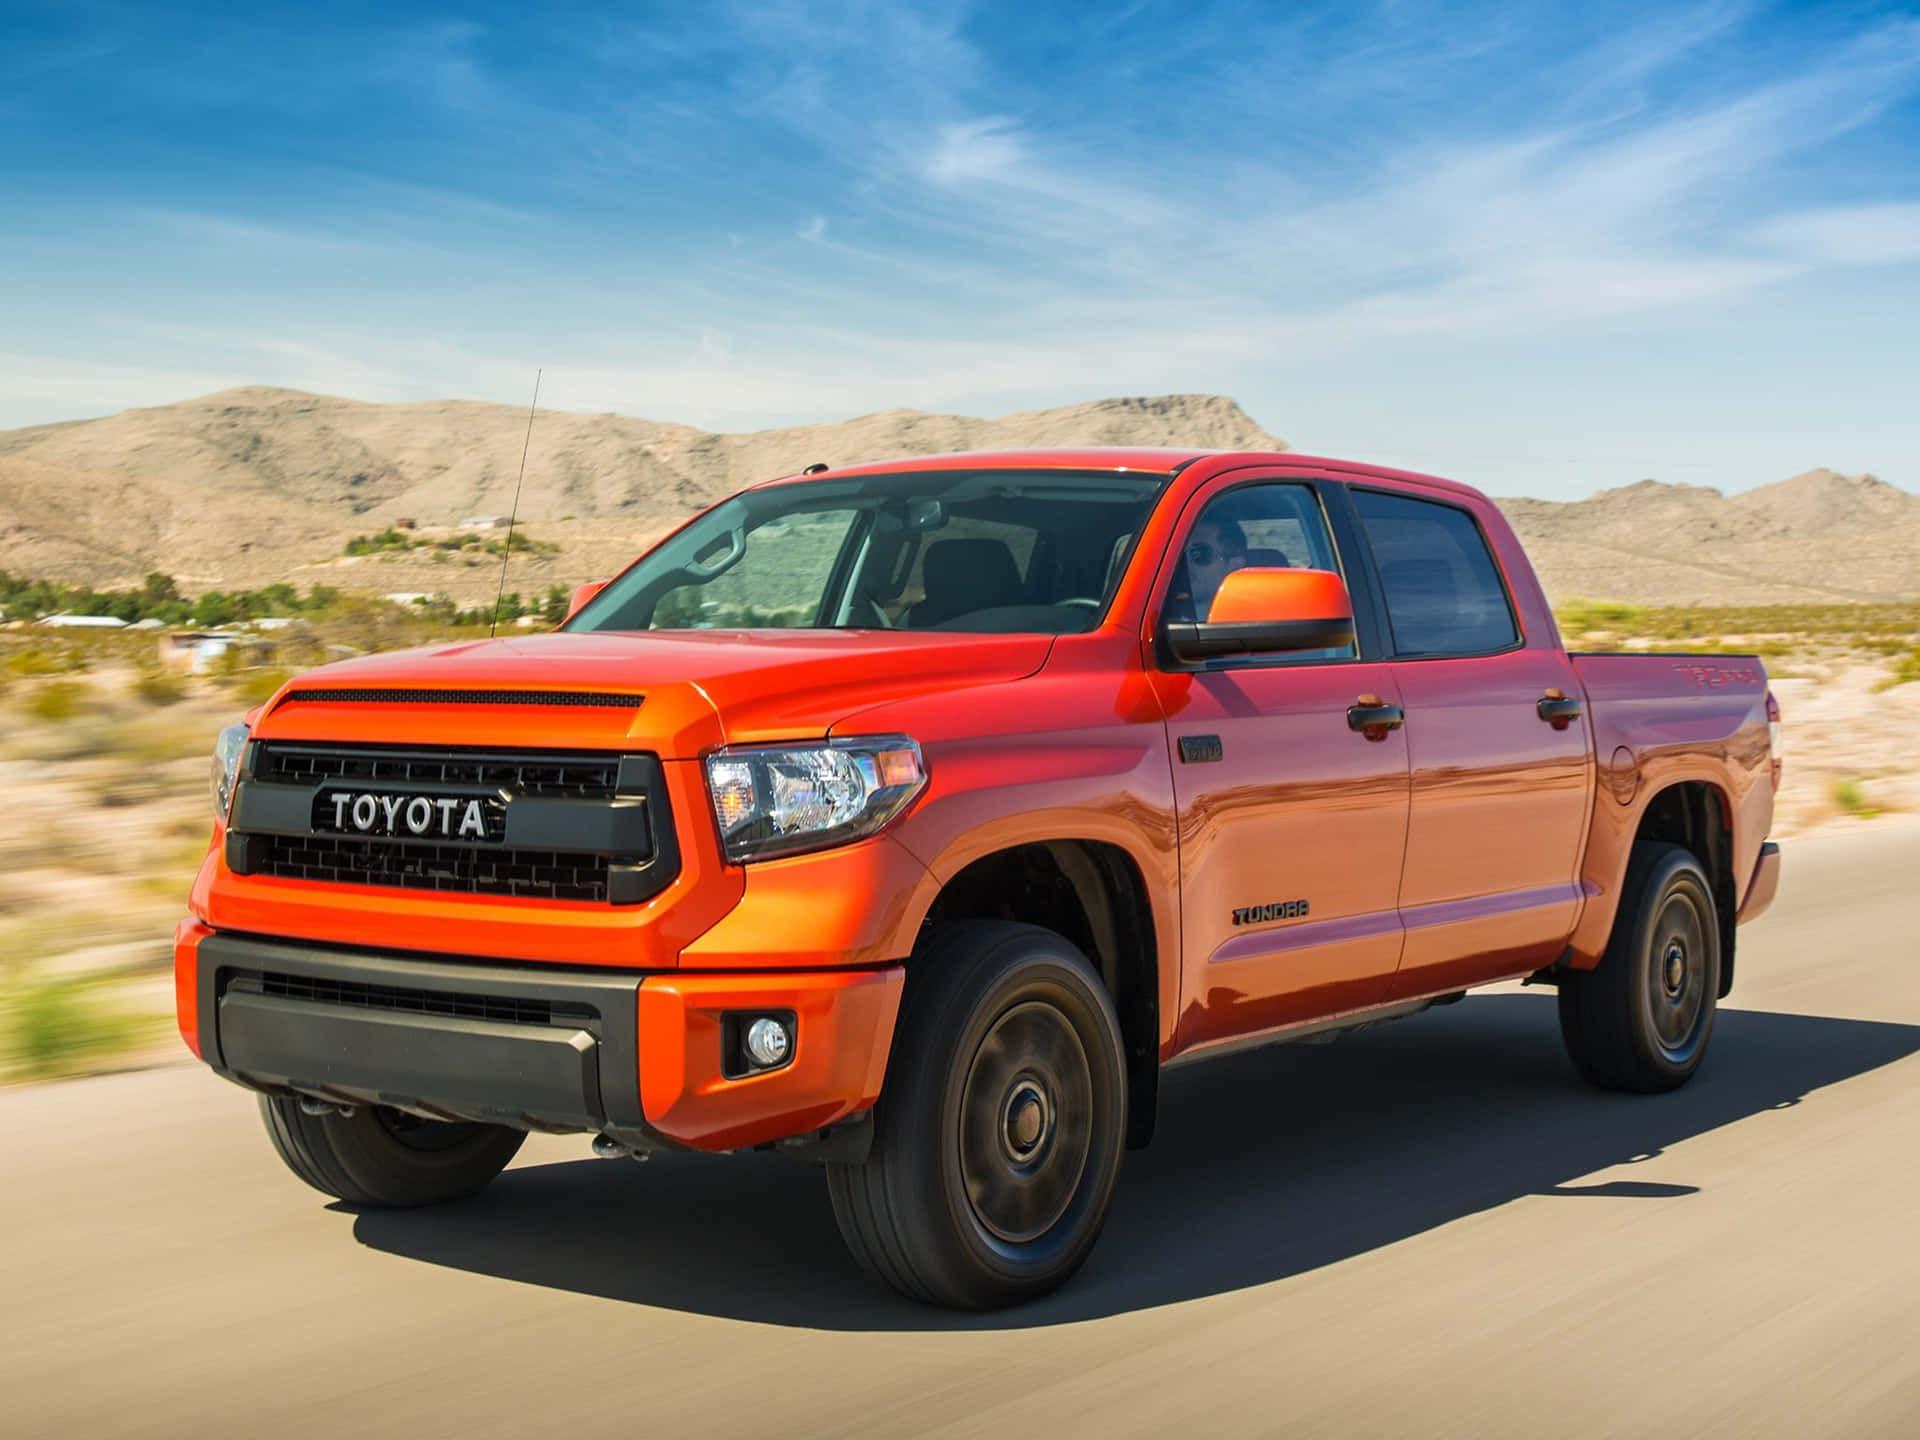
(1820, 536)
(253, 485)
(258, 484)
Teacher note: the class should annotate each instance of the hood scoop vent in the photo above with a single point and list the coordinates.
(593, 698)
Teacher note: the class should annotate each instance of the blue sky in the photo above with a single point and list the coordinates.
(1545, 250)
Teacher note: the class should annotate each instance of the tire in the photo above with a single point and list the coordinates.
(1640, 1021)
(383, 1158)
(999, 1131)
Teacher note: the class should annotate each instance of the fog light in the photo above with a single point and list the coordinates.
(768, 1043)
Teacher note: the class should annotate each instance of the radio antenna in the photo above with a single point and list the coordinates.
(506, 551)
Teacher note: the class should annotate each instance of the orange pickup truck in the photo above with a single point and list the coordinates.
(914, 817)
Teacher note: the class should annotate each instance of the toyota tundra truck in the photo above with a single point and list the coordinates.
(914, 817)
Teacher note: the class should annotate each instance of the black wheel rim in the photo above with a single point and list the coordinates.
(1677, 975)
(1026, 1123)
(416, 1132)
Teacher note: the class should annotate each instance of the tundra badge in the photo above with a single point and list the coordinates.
(1260, 914)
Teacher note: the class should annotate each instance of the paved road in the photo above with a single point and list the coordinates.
(1425, 1230)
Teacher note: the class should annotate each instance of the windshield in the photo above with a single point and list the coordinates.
(998, 551)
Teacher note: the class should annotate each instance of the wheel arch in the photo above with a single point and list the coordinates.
(1697, 815)
(1095, 893)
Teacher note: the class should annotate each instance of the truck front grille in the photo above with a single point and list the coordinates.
(560, 826)
(537, 874)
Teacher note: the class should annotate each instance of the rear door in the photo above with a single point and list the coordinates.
(1501, 783)
(1291, 822)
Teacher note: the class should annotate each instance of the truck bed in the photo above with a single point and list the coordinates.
(1666, 720)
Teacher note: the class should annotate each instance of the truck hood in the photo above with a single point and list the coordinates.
(695, 688)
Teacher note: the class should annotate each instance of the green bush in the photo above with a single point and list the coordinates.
(62, 1026)
(36, 660)
(1848, 795)
(58, 700)
(1584, 617)
(388, 539)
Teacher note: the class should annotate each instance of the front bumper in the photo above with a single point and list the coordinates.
(634, 1056)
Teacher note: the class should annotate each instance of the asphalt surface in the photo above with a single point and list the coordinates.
(1430, 1229)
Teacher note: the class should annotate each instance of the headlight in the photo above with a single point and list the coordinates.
(777, 799)
(226, 765)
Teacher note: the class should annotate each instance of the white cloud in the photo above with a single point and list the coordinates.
(1845, 235)
(989, 149)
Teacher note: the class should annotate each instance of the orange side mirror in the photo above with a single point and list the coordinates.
(1259, 594)
(581, 595)
(1262, 610)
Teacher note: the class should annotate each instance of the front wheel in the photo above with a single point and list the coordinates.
(999, 1133)
(381, 1157)
(1641, 1020)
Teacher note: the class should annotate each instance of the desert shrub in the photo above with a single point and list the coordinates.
(256, 687)
(37, 660)
(1584, 617)
(1850, 797)
(62, 1026)
(388, 539)
(160, 687)
(520, 543)
(1905, 671)
(58, 700)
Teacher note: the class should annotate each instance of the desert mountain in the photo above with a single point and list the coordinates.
(259, 484)
(1820, 536)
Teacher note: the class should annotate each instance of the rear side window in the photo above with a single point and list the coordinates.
(1444, 594)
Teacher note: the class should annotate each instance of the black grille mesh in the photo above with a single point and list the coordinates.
(402, 1000)
(584, 777)
(532, 874)
(467, 697)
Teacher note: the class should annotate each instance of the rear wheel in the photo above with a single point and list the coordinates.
(1641, 1020)
(383, 1157)
(998, 1137)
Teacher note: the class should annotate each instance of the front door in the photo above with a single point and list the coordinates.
(1292, 823)
(1501, 791)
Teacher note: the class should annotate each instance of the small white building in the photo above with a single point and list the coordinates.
(84, 622)
(196, 651)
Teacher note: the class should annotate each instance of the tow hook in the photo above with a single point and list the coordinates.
(315, 1106)
(608, 1148)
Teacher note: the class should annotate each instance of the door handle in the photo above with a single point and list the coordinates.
(1373, 717)
(1558, 709)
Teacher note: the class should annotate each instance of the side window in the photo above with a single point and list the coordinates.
(778, 580)
(1444, 593)
(1274, 526)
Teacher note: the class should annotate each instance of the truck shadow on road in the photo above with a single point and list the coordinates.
(1266, 1165)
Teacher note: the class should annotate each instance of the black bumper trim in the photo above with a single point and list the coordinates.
(580, 1073)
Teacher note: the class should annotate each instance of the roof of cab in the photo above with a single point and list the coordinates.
(1153, 460)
